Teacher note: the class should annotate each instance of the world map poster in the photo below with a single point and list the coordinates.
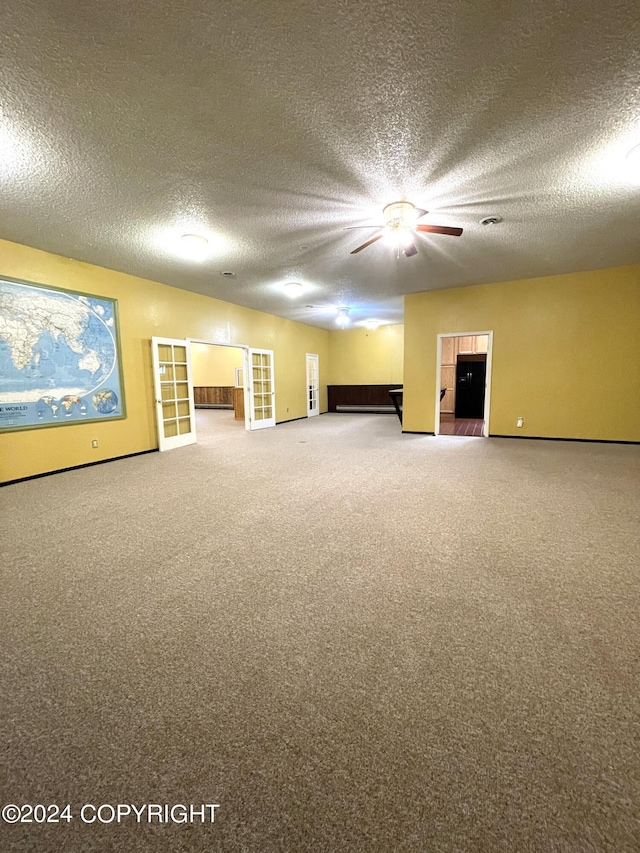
(59, 357)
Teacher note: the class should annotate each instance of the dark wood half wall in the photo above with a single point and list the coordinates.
(365, 398)
(213, 396)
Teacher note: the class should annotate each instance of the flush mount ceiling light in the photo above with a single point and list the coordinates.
(293, 289)
(633, 162)
(194, 246)
(372, 324)
(343, 317)
(15, 148)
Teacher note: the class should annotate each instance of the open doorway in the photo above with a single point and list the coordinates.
(218, 379)
(174, 389)
(254, 383)
(464, 376)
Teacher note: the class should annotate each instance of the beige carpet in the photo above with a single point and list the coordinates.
(350, 639)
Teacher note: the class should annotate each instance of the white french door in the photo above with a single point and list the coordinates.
(262, 397)
(313, 380)
(175, 413)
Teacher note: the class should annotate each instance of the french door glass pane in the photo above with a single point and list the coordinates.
(170, 429)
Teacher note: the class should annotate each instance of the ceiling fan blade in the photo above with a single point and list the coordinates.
(410, 249)
(352, 227)
(440, 229)
(364, 245)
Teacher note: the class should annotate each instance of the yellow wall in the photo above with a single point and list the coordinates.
(215, 365)
(147, 308)
(566, 353)
(366, 357)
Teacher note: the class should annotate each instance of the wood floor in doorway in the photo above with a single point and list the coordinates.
(460, 426)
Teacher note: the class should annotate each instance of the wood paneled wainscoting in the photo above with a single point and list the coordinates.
(213, 396)
(238, 403)
(361, 398)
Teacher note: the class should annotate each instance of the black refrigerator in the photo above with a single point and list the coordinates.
(471, 372)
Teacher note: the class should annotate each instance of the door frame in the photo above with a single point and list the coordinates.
(487, 386)
(245, 371)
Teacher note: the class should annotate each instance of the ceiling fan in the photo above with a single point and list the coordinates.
(400, 225)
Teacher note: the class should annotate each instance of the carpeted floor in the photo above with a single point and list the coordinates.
(349, 639)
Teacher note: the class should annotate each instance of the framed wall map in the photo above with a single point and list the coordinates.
(59, 357)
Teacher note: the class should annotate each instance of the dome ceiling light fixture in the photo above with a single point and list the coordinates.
(293, 289)
(633, 161)
(401, 224)
(194, 246)
(343, 317)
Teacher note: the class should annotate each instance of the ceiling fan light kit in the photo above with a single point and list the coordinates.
(401, 214)
(401, 224)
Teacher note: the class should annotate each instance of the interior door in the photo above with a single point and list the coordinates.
(312, 385)
(175, 412)
(262, 397)
(471, 374)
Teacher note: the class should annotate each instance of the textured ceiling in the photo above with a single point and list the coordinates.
(270, 127)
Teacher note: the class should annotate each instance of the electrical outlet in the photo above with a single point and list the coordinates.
(94, 443)
(520, 422)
